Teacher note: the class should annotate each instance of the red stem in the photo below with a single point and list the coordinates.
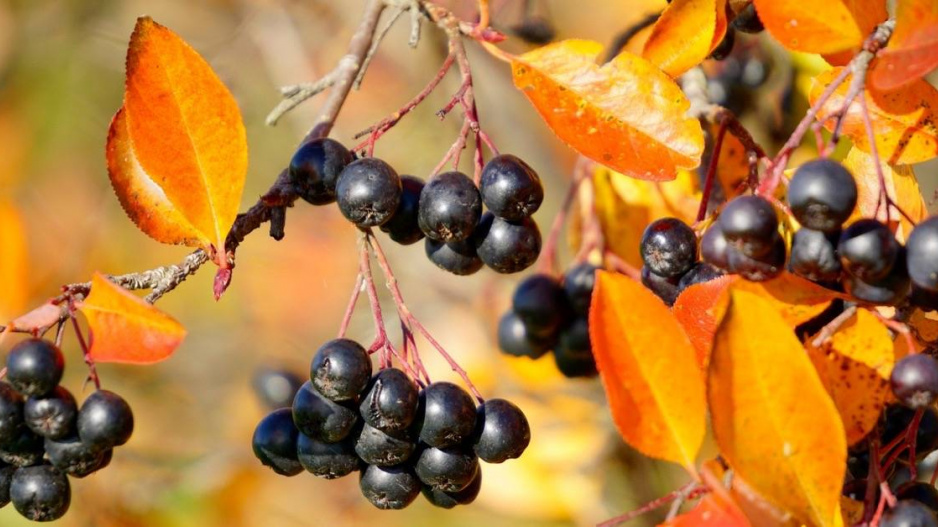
(548, 263)
(92, 369)
(351, 306)
(711, 172)
(650, 506)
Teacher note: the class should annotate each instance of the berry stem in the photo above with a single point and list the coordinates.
(364, 268)
(711, 172)
(833, 326)
(86, 352)
(581, 170)
(680, 493)
(911, 436)
(356, 291)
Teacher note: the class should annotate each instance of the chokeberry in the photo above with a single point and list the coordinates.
(868, 250)
(890, 290)
(714, 247)
(747, 20)
(540, 302)
(53, 415)
(25, 450)
(320, 417)
(35, 366)
(510, 188)
(513, 338)
(11, 413)
(450, 207)
(573, 354)
(6, 478)
(105, 420)
(664, 288)
(75, 458)
(822, 195)
(327, 460)
(914, 380)
(378, 448)
(669, 247)
(40, 493)
(403, 227)
(578, 283)
(389, 487)
(920, 491)
(814, 255)
(698, 274)
(449, 470)
(340, 369)
(922, 254)
(459, 258)
(508, 246)
(750, 224)
(274, 442)
(448, 500)
(909, 513)
(447, 415)
(276, 388)
(368, 192)
(315, 168)
(725, 47)
(390, 402)
(502, 431)
(760, 268)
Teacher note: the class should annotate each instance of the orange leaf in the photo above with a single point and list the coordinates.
(797, 300)
(186, 134)
(913, 48)
(14, 262)
(126, 329)
(924, 327)
(710, 512)
(905, 121)
(824, 27)
(698, 313)
(654, 387)
(686, 33)
(854, 366)
(772, 419)
(627, 114)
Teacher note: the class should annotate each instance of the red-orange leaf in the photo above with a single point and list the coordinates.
(124, 328)
(187, 138)
(627, 114)
(709, 513)
(686, 33)
(913, 48)
(697, 311)
(824, 27)
(794, 298)
(654, 386)
(905, 121)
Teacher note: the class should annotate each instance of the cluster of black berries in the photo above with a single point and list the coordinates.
(402, 440)
(669, 252)
(549, 315)
(45, 437)
(447, 210)
(747, 21)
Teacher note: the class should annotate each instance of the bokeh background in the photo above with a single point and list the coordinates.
(190, 462)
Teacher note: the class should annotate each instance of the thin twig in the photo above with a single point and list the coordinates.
(650, 506)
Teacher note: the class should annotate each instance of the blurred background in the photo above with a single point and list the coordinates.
(190, 462)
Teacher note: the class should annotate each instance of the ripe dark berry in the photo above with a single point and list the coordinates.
(315, 168)
(389, 487)
(914, 380)
(664, 288)
(540, 302)
(578, 282)
(513, 338)
(449, 470)
(713, 247)
(327, 460)
(698, 274)
(922, 254)
(502, 431)
(448, 415)
(868, 250)
(276, 388)
(448, 500)
(25, 450)
(34, 367)
(669, 247)
(321, 418)
(891, 290)
(508, 246)
(822, 195)
(403, 227)
(747, 20)
(40, 493)
(459, 258)
(908, 513)
(535, 30)
(450, 207)
(341, 369)
(274, 442)
(924, 493)
(573, 354)
(75, 458)
(725, 47)
(105, 420)
(814, 255)
(368, 192)
(897, 418)
(11, 413)
(378, 448)
(52, 416)
(510, 188)
(761, 268)
(750, 224)
(6, 479)
(390, 402)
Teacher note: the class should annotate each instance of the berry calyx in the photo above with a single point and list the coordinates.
(449, 470)
(503, 431)
(668, 247)
(914, 380)
(822, 195)
(448, 415)
(448, 500)
(390, 402)
(368, 192)
(814, 255)
(40, 493)
(274, 443)
(52, 415)
(35, 366)
(450, 207)
(510, 188)
(389, 487)
(315, 168)
(750, 224)
(340, 370)
(507, 246)
(403, 227)
(105, 420)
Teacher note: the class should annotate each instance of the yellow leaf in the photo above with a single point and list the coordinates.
(797, 300)
(686, 33)
(824, 27)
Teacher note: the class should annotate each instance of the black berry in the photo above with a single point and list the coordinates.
(513, 338)
(389, 487)
(34, 367)
(6, 479)
(535, 30)
(274, 443)
(714, 247)
(276, 388)
(450, 207)
(891, 290)
(908, 513)
(922, 254)
(75, 458)
(40, 493)
(750, 224)
(53, 415)
(321, 418)
(449, 470)
(403, 227)
(868, 250)
(459, 258)
(897, 419)
(105, 420)
(761, 268)
(822, 195)
(540, 302)
(747, 20)
(510, 188)
(669, 247)
(698, 274)
(578, 282)
(340, 369)
(378, 448)
(448, 415)
(502, 431)
(315, 168)
(25, 450)
(508, 246)
(368, 192)
(814, 255)
(448, 500)
(664, 288)
(327, 460)
(573, 354)
(11, 413)
(924, 493)
(914, 380)
(390, 402)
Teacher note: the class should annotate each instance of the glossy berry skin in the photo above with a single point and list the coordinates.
(922, 254)
(390, 402)
(458, 258)
(914, 380)
(908, 513)
(669, 247)
(822, 195)
(403, 227)
(750, 224)
(573, 354)
(725, 47)
(75, 458)
(508, 246)
(919, 491)
(510, 188)
(40, 493)
(368, 192)
(450, 207)
(105, 420)
(747, 20)
(25, 450)
(868, 250)
(274, 443)
(448, 500)
(315, 168)
(814, 255)
(513, 338)
(540, 302)
(34, 367)
(714, 247)
(449, 470)
(52, 416)
(276, 388)
(447, 415)
(321, 418)
(664, 288)
(698, 274)
(6, 479)
(389, 488)
(375, 447)
(761, 268)
(327, 460)
(888, 291)
(11, 413)
(578, 283)
(340, 369)
(502, 431)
